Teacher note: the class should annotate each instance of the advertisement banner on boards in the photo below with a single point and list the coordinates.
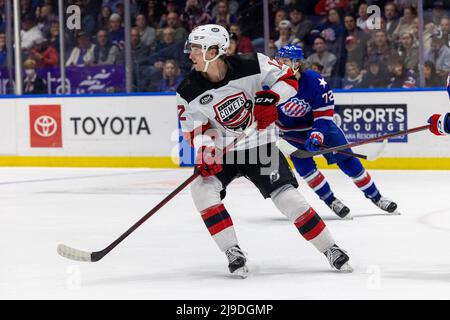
(45, 126)
(365, 121)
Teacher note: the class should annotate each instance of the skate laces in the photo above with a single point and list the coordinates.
(233, 253)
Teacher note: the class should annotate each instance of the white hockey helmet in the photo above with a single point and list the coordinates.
(206, 36)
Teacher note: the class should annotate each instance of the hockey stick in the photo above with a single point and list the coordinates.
(322, 147)
(302, 154)
(80, 255)
(287, 149)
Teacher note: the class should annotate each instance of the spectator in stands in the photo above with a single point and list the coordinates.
(409, 51)
(332, 30)
(83, 53)
(211, 7)
(317, 67)
(432, 79)
(439, 54)
(173, 21)
(401, 76)
(105, 52)
(30, 32)
(244, 44)
(103, 18)
(438, 12)
(280, 15)
(45, 16)
(116, 32)
(301, 25)
(232, 48)
(363, 15)
(323, 56)
(44, 54)
(3, 51)
(54, 35)
(391, 19)
(376, 76)
(360, 37)
(380, 48)
(88, 22)
(353, 76)
(354, 52)
(223, 16)
(323, 6)
(32, 84)
(194, 15)
(171, 77)
(168, 39)
(120, 10)
(154, 12)
(406, 22)
(286, 36)
(147, 34)
(444, 26)
(26, 8)
(139, 50)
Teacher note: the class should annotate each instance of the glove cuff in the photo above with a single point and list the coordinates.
(317, 135)
(437, 124)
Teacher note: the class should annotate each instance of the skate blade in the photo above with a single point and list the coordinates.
(347, 217)
(241, 272)
(346, 268)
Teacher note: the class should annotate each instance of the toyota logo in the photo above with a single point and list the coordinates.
(45, 126)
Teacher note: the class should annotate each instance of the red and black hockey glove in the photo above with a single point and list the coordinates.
(440, 124)
(207, 161)
(265, 108)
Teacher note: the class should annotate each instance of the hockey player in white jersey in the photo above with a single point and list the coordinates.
(217, 101)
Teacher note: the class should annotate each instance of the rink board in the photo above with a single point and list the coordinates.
(142, 130)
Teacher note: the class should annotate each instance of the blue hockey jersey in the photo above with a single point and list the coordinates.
(311, 108)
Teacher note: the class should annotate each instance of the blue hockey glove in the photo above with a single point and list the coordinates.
(315, 139)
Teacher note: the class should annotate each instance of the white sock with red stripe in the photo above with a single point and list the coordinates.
(313, 229)
(220, 226)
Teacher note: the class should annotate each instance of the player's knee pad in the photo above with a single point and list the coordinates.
(206, 192)
(351, 166)
(289, 201)
(304, 167)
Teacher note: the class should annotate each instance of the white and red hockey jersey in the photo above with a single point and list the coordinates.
(228, 105)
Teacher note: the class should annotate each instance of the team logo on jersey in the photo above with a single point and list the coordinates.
(296, 107)
(234, 112)
(206, 99)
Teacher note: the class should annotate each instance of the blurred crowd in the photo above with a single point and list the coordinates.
(338, 37)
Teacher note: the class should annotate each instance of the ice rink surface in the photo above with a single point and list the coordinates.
(172, 255)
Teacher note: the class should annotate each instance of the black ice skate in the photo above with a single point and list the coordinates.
(338, 259)
(340, 209)
(237, 262)
(387, 205)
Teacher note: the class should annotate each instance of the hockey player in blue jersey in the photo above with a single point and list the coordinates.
(309, 116)
(440, 123)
